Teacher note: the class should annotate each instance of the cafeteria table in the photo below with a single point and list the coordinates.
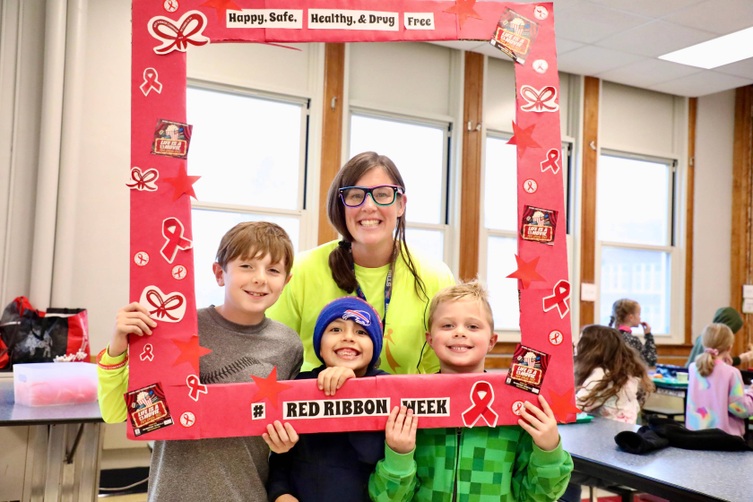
(670, 473)
(64, 443)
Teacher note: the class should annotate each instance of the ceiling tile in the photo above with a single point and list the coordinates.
(699, 84)
(742, 68)
(650, 8)
(647, 72)
(590, 60)
(655, 38)
(564, 45)
(717, 16)
(618, 40)
(587, 22)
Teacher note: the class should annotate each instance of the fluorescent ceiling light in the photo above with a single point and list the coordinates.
(717, 52)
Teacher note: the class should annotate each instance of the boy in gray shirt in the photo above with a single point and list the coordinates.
(253, 265)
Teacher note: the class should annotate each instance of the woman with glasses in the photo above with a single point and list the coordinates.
(366, 205)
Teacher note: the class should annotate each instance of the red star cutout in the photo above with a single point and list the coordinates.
(563, 405)
(523, 137)
(190, 352)
(269, 388)
(526, 271)
(464, 10)
(221, 6)
(182, 183)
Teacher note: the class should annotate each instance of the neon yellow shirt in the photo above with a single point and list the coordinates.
(312, 287)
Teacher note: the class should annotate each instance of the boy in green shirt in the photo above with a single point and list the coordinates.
(506, 463)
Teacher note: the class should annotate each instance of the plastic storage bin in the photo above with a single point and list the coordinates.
(45, 384)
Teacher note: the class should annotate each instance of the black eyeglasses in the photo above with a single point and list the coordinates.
(382, 195)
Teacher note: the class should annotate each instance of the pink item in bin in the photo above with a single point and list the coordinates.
(45, 384)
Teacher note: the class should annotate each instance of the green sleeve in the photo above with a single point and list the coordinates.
(112, 383)
(394, 478)
(540, 475)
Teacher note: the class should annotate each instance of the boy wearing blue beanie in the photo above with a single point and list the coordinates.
(335, 465)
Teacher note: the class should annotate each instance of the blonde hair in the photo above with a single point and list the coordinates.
(621, 309)
(256, 239)
(716, 337)
(472, 290)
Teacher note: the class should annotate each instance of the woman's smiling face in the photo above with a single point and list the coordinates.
(369, 223)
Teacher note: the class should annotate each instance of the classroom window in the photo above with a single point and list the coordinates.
(420, 151)
(249, 150)
(500, 227)
(635, 230)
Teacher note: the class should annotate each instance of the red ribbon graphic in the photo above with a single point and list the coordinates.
(539, 101)
(143, 180)
(172, 231)
(552, 157)
(141, 258)
(148, 353)
(178, 38)
(482, 395)
(151, 81)
(163, 306)
(195, 387)
(560, 295)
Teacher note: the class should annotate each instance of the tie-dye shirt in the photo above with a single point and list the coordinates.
(719, 400)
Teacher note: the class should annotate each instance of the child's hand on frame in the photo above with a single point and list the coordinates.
(133, 319)
(332, 378)
(400, 431)
(280, 437)
(286, 498)
(540, 424)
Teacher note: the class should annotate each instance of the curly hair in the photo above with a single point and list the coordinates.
(602, 346)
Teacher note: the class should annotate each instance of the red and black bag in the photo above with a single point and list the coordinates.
(35, 336)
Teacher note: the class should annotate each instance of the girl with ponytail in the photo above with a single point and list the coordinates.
(717, 396)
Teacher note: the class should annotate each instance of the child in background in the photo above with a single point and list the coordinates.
(609, 375)
(334, 466)
(504, 463)
(626, 314)
(253, 265)
(730, 317)
(717, 397)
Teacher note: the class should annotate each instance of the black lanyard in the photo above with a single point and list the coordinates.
(387, 291)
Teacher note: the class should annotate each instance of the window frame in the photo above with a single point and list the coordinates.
(444, 227)
(673, 248)
(568, 179)
(300, 213)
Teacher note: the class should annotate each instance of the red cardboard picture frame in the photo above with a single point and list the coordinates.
(177, 405)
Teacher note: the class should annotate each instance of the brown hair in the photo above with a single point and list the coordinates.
(715, 337)
(255, 239)
(621, 309)
(341, 258)
(472, 290)
(602, 346)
